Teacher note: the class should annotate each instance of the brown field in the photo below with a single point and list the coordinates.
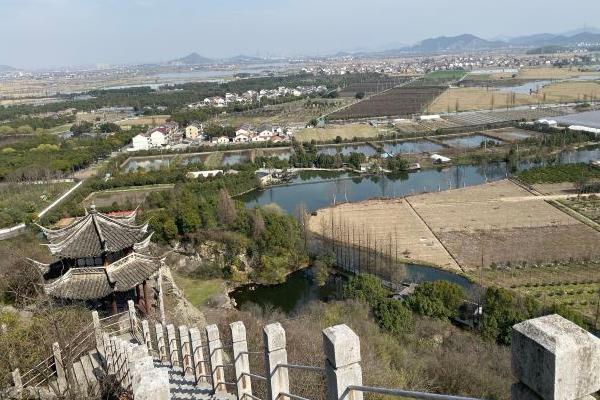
(346, 132)
(551, 73)
(569, 91)
(384, 222)
(510, 223)
(555, 188)
(475, 98)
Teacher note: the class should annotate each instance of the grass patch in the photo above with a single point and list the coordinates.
(21, 203)
(198, 292)
(346, 132)
(445, 75)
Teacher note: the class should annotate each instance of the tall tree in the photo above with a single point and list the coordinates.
(226, 211)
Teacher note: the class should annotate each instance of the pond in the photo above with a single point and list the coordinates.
(525, 88)
(300, 287)
(470, 142)
(366, 149)
(315, 190)
(412, 147)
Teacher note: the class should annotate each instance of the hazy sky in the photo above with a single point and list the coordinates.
(37, 33)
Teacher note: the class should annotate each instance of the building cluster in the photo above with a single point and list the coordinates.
(170, 135)
(251, 96)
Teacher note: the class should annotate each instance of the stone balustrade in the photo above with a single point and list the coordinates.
(552, 359)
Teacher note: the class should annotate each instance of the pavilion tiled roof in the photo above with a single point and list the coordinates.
(94, 234)
(87, 283)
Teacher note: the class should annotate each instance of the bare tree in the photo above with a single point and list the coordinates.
(226, 211)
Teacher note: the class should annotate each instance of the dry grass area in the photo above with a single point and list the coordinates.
(389, 225)
(510, 224)
(475, 98)
(569, 91)
(126, 197)
(551, 73)
(555, 188)
(329, 133)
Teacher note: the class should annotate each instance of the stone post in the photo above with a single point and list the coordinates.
(554, 359)
(198, 355)
(132, 316)
(61, 372)
(275, 354)
(240, 357)
(98, 334)
(146, 334)
(342, 362)
(17, 381)
(186, 354)
(160, 343)
(109, 358)
(215, 352)
(173, 350)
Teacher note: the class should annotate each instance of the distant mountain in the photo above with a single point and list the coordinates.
(7, 68)
(192, 59)
(241, 58)
(464, 42)
(547, 39)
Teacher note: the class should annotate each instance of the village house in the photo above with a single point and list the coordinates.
(139, 142)
(193, 131)
(241, 138)
(158, 137)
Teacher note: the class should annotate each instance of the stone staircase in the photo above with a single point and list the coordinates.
(87, 372)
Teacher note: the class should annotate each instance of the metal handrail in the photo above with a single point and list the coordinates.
(303, 367)
(406, 393)
(254, 376)
(251, 396)
(291, 396)
(33, 369)
(113, 316)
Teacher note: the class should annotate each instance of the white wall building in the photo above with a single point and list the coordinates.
(140, 142)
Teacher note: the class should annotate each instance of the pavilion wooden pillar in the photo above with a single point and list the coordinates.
(113, 300)
(146, 297)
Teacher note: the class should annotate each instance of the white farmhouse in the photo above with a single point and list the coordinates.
(157, 138)
(192, 131)
(139, 142)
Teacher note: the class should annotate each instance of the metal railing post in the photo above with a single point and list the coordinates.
(241, 362)
(186, 354)
(161, 343)
(109, 354)
(173, 350)
(275, 354)
(215, 352)
(61, 372)
(342, 362)
(198, 355)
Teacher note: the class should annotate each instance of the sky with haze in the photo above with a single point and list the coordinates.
(45, 33)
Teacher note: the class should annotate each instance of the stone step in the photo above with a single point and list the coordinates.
(79, 374)
(88, 369)
(96, 361)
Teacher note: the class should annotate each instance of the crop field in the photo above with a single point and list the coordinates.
(329, 133)
(142, 121)
(19, 203)
(551, 73)
(509, 223)
(127, 197)
(511, 134)
(453, 74)
(403, 101)
(570, 91)
(390, 226)
(372, 86)
(574, 284)
(293, 113)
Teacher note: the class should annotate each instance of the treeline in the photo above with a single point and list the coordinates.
(502, 309)
(173, 98)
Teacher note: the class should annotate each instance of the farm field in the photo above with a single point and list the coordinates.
(292, 113)
(403, 101)
(574, 284)
(551, 73)
(142, 121)
(20, 203)
(562, 92)
(475, 98)
(346, 132)
(372, 86)
(128, 198)
(392, 225)
(510, 224)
